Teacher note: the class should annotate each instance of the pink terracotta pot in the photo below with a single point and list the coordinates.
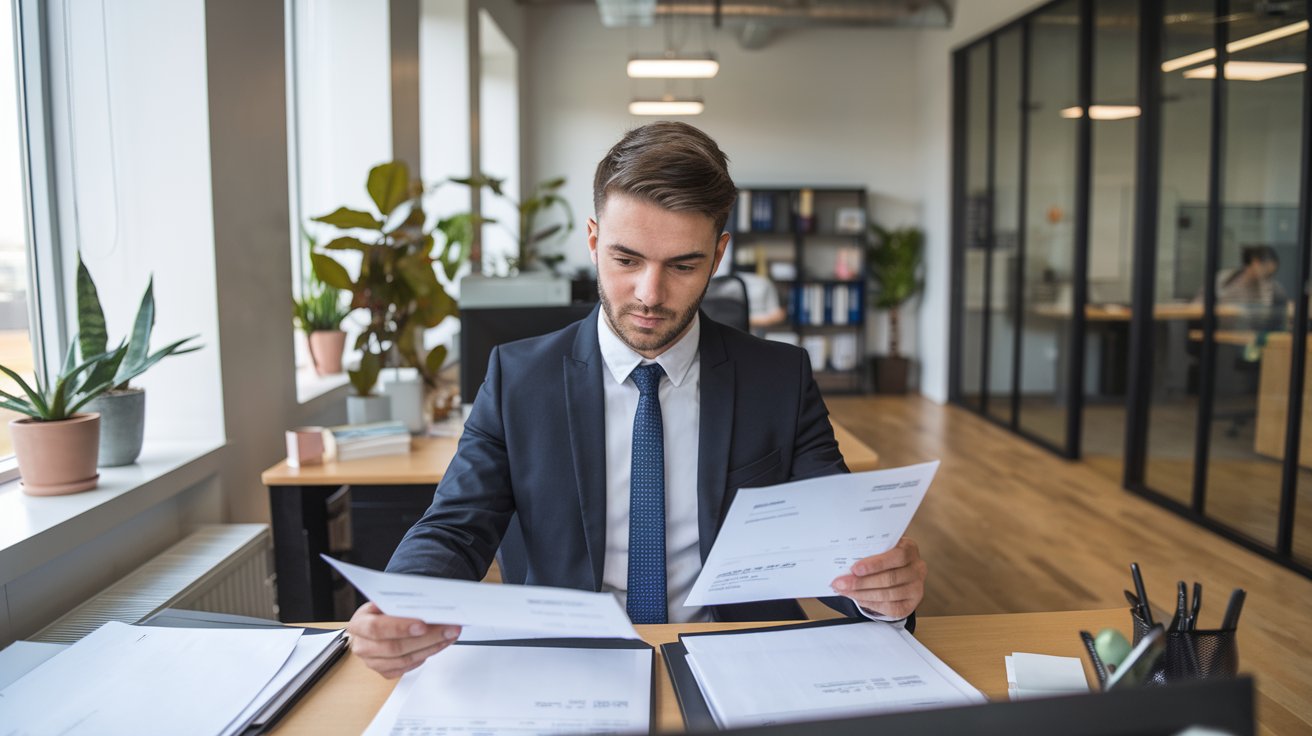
(57, 458)
(326, 351)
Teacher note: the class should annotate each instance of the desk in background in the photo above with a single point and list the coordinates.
(364, 507)
(346, 700)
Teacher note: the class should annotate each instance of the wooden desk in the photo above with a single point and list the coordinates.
(323, 508)
(345, 701)
(1273, 400)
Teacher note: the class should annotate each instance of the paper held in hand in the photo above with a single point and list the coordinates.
(526, 610)
(793, 539)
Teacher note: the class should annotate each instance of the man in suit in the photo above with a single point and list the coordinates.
(616, 444)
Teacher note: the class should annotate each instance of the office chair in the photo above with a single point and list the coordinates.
(726, 302)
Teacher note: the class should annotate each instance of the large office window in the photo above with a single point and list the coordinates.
(16, 328)
(1050, 221)
(1257, 261)
(1163, 247)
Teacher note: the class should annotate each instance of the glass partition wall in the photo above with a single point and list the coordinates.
(1131, 204)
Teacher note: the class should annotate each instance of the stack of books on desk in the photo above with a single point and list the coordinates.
(354, 441)
(316, 445)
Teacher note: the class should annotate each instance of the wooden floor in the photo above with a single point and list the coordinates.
(1009, 527)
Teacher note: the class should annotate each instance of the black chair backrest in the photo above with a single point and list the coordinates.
(726, 302)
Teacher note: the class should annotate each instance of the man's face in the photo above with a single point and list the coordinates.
(653, 266)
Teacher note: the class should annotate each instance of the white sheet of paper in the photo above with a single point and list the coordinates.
(1044, 675)
(141, 680)
(21, 657)
(307, 649)
(822, 672)
(521, 690)
(551, 612)
(793, 539)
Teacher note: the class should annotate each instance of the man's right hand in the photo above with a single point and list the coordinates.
(392, 646)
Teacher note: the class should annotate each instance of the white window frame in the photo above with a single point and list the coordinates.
(48, 326)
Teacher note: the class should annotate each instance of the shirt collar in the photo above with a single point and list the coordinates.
(620, 359)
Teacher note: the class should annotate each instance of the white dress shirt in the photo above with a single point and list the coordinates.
(680, 397)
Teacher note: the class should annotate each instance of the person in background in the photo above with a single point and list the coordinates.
(1254, 282)
(762, 301)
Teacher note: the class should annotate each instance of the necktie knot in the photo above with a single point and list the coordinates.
(647, 377)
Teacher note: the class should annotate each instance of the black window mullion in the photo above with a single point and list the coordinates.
(1294, 416)
(1211, 260)
(959, 154)
(1018, 288)
(1080, 272)
(1147, 193)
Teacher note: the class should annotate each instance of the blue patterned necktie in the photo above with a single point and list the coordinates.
(646, 601)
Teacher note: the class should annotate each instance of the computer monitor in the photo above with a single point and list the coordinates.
(484, 328)
(1224, 706)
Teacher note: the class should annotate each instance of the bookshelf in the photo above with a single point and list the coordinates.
(810, 242)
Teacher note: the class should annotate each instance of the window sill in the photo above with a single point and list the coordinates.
(310, 385)
(36, 530)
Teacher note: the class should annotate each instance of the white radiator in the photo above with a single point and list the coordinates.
(224, 568)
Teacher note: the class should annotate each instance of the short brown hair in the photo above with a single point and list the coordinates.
(672, 165)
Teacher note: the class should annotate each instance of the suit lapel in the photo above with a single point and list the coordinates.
(586, 412)
(716, 425)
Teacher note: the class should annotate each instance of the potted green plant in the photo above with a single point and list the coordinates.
(396, 280)
(544, 199)
(319, 314)
(122, 407)
(57, 445)
(893, 260)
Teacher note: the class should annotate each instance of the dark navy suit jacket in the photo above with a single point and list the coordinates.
(534, 449)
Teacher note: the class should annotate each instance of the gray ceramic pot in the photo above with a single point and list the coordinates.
(368, 409)
(122, 424)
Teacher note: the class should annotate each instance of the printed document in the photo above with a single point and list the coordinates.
(820, 672)
(793, 539)
(550, 612)
(518, 690)
(140, 680)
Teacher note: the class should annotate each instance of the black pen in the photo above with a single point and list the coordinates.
(1143, 597)
(1181, 613)
(1232, 610)
(1134, 603)
(1198, 603)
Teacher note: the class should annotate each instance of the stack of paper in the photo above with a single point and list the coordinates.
(355, 441)
(124, 679)
(1043, 675)
(812, 672)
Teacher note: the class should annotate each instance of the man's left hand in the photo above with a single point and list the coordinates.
(891, 584)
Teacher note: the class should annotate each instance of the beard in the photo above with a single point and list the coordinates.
(648, 340)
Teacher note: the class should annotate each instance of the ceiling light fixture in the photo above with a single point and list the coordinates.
(673, 67)
(1248, 71)
(667, 106)
(1233, 46)
(1102, 112)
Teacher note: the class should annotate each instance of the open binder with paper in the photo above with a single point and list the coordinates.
(807, 672)
(592, 686)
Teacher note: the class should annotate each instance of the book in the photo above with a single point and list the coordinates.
(316, 445)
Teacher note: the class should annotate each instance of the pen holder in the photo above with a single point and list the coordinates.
(1193, 655)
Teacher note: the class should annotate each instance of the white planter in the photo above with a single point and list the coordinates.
(368, 409)
(405, 391)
